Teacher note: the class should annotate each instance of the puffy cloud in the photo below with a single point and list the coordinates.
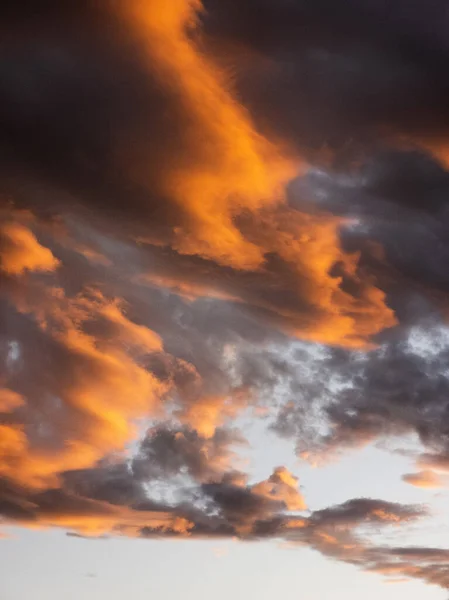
(392, 391)
(282, 485)
(21, 252)
(168, 452)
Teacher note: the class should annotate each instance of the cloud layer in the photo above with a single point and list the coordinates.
(216, 211)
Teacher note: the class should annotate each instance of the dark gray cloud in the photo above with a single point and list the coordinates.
(398, 200)
(339, 76)
(398, 389)
(168, 452)
(425, 554)
(75, 90)
(361, 510)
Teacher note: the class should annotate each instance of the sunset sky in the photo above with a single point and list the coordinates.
(224, 285)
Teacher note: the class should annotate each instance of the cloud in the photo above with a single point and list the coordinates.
(282, 485)
(393, 391)
(436, 462)
(423, 479)
(87, 384)
(425, 554)
(342, 78)
(241, 506)
(160, 178)
(210, 211)
(60, 508)
(139, 63)
(342, 533)
(361, 510)
(168, 452)
(79, 390)
(244, 171)
(21, 252)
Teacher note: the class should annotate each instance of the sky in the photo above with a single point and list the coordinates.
(224, 287)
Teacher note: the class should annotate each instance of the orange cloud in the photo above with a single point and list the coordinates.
(21, 251)
(282, 485)
(93, 518)
(100, 386)
(229, 167)
(383, 515)
(433, 462)
(9, 400)
(207, 413)
(296, 292)
(227, 184)
(423, 479)
(327, 539)
(309, 247)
